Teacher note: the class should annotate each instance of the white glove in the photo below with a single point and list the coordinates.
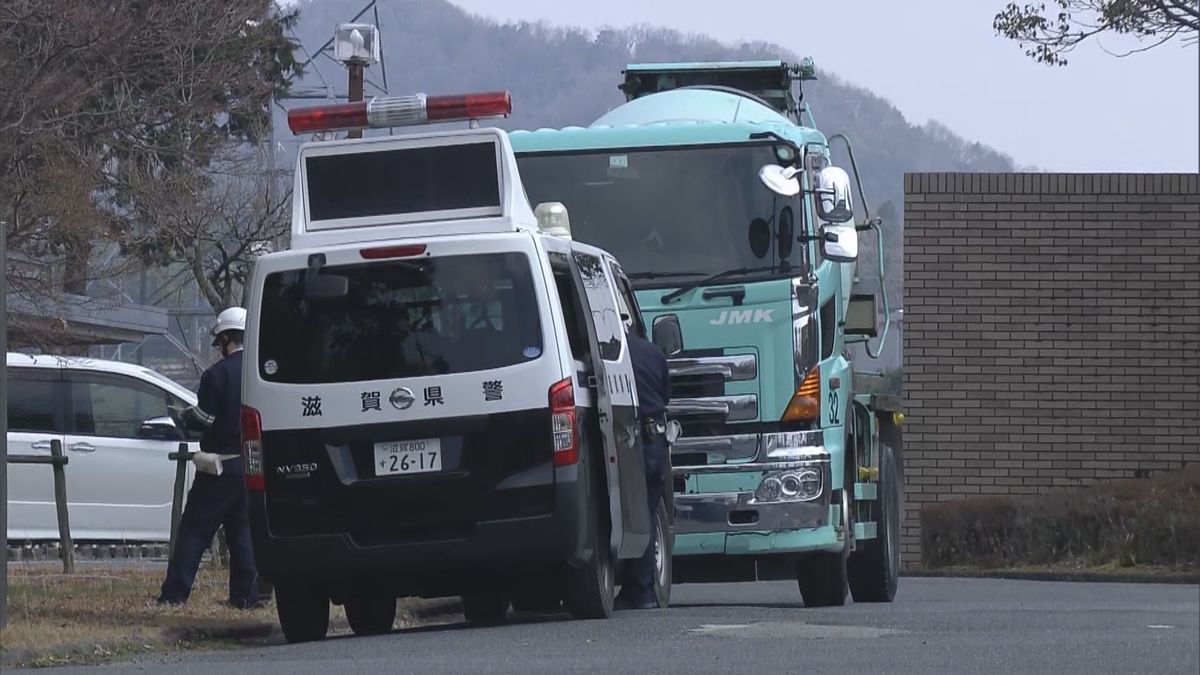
(207, 462)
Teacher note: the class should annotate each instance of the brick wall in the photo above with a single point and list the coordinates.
(1052, 332)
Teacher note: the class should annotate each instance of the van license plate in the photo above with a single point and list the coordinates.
(399, 457)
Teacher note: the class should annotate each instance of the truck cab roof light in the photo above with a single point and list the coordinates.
(399, 111)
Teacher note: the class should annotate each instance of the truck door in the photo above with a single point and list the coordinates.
(616, 407)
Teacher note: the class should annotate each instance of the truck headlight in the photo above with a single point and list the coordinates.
(793, 485)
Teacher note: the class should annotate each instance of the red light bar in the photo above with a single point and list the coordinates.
(328, 117)
(399, 111)
(383, 252)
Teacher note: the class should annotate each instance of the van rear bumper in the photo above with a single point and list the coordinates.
(489, 554)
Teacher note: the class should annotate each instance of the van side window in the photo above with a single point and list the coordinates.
(609, 330)
(112, 407)
(626, 301)
(30, 402)
(572, 314)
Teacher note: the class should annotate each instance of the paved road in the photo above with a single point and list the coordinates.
(935, 625)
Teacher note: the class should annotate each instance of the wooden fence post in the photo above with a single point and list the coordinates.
(181, 459)
(60, 501)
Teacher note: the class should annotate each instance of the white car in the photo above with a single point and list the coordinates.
(114, 425)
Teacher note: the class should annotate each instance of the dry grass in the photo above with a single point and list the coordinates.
(101, 615)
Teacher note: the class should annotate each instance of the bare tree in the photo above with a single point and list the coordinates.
(216, 224)
(94, 95)
(1047, 35)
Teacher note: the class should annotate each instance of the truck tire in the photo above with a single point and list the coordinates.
(822, 576)
(485, 607)
(303, 613)
(875, 567)
(371, 614)
(662, 555)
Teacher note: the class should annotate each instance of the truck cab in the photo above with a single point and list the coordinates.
(438, 390)
(740, 237)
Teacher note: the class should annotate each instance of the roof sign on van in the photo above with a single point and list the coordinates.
(418, 185)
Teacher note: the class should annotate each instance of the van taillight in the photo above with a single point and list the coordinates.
(252, 449)
(562, 416)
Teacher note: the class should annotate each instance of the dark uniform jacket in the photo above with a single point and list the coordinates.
(651, 376)
(218, 406)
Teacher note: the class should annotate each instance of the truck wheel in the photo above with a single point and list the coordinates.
(662, 555)
(371, 614)
(875, 568)
(486, 607)
(822, 576)
(303, 613)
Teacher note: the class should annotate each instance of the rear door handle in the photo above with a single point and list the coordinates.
(40, 445)
(81, 447)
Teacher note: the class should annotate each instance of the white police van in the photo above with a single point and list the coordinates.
(438, 395)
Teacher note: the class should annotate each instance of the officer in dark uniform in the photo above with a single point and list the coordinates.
(652, 379)
(218, 493)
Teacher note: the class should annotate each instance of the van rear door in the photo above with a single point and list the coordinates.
(616, 406)
(411, 401)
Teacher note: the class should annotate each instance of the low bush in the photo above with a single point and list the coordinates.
(1154, 521)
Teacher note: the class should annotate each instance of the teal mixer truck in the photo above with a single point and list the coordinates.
(718, 194)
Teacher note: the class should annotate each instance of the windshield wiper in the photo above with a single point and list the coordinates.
(686, 288)
(661, 275)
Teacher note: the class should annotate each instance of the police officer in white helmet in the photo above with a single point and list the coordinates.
(218, 494)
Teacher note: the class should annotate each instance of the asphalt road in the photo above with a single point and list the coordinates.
(934, 626)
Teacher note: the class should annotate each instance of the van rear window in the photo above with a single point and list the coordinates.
(400, 318)
(403, 181)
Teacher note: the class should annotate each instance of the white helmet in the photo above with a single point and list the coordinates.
(233, 318)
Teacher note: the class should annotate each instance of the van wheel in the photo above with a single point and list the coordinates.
(371, 614)
(662, 555)
(822, 576)
(303, 613)
(591, 587)
(486, 607)
(875, 567)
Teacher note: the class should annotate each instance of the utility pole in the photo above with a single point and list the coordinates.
(355, 91)
(356, 45)
(4, 418)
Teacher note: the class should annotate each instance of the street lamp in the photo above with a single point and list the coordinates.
(357, 46)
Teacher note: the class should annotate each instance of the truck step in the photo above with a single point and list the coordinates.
(864, 531)
(866, 492)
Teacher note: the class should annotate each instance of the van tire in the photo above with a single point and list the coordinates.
(591, 587)
(371, 614)
(874, 568)
(303, 613)
(485, 607)
(664, 550)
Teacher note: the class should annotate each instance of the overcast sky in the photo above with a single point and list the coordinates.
(941, 59)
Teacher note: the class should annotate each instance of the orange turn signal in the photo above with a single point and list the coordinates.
(805, 405)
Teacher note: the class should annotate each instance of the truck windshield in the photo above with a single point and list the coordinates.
(673, 215)
(403, 318)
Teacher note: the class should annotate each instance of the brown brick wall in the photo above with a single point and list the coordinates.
(1052, 332)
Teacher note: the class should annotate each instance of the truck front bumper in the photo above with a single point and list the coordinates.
(716, 511)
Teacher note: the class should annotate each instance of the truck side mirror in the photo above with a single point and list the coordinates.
(860, 316)
(668, 337)
(839, 243)
(834, 203)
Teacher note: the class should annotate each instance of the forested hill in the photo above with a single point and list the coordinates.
(568, 76)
